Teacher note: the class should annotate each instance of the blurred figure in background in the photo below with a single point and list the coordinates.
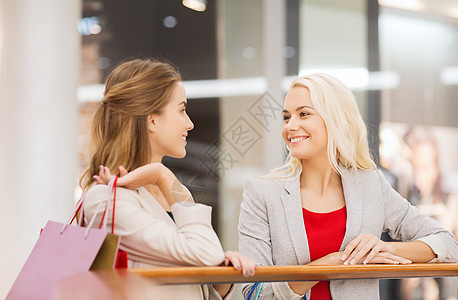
(425, 189)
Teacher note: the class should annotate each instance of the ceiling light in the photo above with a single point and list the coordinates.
(449, 75)
(403, 4)
(198, 5)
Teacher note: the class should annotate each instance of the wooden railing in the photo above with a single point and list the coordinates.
(194, 275)
(136, 283)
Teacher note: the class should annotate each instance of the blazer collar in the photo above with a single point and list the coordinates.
(353, 193)
(292, 204)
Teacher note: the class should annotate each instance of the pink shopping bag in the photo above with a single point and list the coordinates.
(61, 250)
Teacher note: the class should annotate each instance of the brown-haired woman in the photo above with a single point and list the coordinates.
(143, 118)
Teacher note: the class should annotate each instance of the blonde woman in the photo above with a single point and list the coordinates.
(143, 118)
(329, 205)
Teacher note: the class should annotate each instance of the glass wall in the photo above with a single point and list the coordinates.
(333, 39)
(419, 130)
(238, 57)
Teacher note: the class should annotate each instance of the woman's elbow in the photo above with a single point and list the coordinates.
(212, 258)
(202, 255)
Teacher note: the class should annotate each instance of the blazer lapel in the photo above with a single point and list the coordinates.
(148, 202)
(292, 205)
(353, 193)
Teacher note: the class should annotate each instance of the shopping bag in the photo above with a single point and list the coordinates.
(121, 260)
(57, 254)
(61, 250)
(110, 255)
(106, 257)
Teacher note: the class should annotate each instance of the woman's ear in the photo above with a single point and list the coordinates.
(151, 123)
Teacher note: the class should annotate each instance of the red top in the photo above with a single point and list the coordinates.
(325, 233)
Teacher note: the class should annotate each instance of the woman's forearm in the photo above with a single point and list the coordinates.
(416, 251)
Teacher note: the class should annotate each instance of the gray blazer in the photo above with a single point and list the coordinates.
(272, 231)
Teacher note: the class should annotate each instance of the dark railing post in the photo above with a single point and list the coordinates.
(374, 108)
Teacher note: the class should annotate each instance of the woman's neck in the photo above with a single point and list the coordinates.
(156, 158)
(318, 176)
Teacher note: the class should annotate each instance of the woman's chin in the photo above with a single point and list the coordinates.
(180, 154)
(296, 154)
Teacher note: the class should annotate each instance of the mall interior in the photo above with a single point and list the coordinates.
(237, 59)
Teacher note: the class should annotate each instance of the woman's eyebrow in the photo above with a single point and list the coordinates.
(304, 106)
(183, 102)
(297, 109)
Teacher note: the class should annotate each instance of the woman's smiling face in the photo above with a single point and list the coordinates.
(172, 126)
(304, 131)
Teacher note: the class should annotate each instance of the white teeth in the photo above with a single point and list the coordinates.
(297, 139)
(184, 138)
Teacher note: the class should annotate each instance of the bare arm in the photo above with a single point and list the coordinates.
(416, 251)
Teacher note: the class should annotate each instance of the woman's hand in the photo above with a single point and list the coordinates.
(370, 249)
(388, 258)
(240, 262)
(104, 175)
(154, 173)
(331, 259)
(335, 258)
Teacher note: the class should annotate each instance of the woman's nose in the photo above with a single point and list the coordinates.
(292, 124)
(190, 124)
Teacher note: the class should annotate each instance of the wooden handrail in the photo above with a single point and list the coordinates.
(136, 283)
(195, 275)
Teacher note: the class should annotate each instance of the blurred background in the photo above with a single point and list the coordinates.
(237, 57)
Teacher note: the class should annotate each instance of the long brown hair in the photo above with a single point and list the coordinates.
(119, 135)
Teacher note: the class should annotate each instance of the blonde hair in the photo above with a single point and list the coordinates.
(119, 135)
(347, 134)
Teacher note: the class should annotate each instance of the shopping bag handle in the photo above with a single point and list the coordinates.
(111, 191)
(79, 207)
(111, 183)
